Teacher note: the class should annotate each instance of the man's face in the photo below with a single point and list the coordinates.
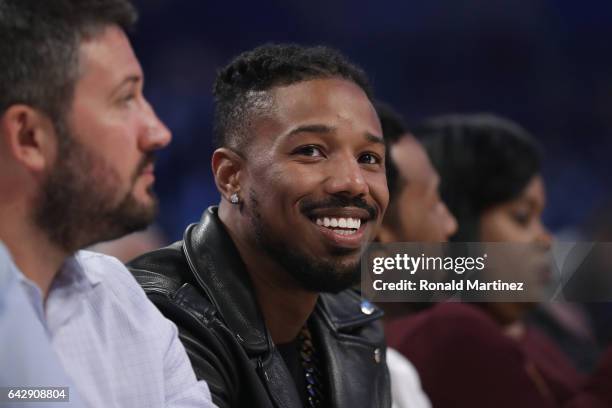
(100, 186)
(314, 186)
(422, 216)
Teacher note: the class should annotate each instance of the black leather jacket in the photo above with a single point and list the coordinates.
(201, 284)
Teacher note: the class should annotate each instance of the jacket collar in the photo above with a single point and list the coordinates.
(219, 270)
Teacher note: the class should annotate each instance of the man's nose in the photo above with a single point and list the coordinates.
(156, 135)
(346, 177)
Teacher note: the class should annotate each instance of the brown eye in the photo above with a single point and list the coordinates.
(309, 150)
(127, 99)
(521, 217)
(369, 158)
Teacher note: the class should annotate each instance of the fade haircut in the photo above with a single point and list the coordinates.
(39, 48)
(241, 87)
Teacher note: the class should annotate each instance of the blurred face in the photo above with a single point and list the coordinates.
(101, 184)
(519, 220)
(421, 215)
(315, 181)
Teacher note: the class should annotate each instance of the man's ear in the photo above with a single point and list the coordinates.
(227, 166)
(29, 137)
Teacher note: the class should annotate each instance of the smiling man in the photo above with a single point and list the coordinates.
(77, 142)
(259, 287)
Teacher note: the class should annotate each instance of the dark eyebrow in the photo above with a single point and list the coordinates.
(324, 129)
(374, 139)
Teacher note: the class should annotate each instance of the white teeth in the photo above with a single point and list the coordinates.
(353, 223)
(344, 232)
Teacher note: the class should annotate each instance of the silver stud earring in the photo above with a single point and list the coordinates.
(234, 199)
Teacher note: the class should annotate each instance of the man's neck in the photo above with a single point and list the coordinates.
(35, 256)
(285, 306)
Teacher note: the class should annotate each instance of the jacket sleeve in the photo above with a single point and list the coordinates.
(201, 335)
(210, 367)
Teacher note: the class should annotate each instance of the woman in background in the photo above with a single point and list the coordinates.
(481, 354)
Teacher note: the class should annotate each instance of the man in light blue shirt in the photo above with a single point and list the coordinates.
(26, 355)
(77, 146)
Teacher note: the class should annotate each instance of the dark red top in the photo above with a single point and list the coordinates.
(465, 360)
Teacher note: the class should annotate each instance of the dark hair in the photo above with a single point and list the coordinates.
(482, 160)
(39, 44)
(393, 129)
(240, 87)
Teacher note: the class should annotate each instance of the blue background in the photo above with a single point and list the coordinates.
(546, 64)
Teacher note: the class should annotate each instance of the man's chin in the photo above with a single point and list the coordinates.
(135, 214)
(321, 275)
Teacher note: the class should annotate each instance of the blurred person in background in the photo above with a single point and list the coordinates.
(260, 288)
(482, 355)
(77, 145)
(415, 214)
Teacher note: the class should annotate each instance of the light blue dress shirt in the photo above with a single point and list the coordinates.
(27, 358)
(118, 349)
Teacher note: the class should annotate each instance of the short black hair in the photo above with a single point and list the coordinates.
(240, 87)
(483, 160)
(39, 48)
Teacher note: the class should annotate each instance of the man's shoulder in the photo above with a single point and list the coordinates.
(166, 278)
(159, 258)
(101, 268)
(166, 267)
(117, 285)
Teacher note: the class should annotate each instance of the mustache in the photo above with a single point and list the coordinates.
(338, 201)
(147, 159)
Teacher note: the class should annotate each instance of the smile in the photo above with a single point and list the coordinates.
(340, 226)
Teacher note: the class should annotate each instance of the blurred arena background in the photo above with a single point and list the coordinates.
(545, 63)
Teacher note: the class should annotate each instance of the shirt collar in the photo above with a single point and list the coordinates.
(7, 271)
(69, 289)
(10, 273)
(73, 275)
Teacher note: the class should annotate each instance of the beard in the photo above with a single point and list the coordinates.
(310, 273)
(78, 204)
